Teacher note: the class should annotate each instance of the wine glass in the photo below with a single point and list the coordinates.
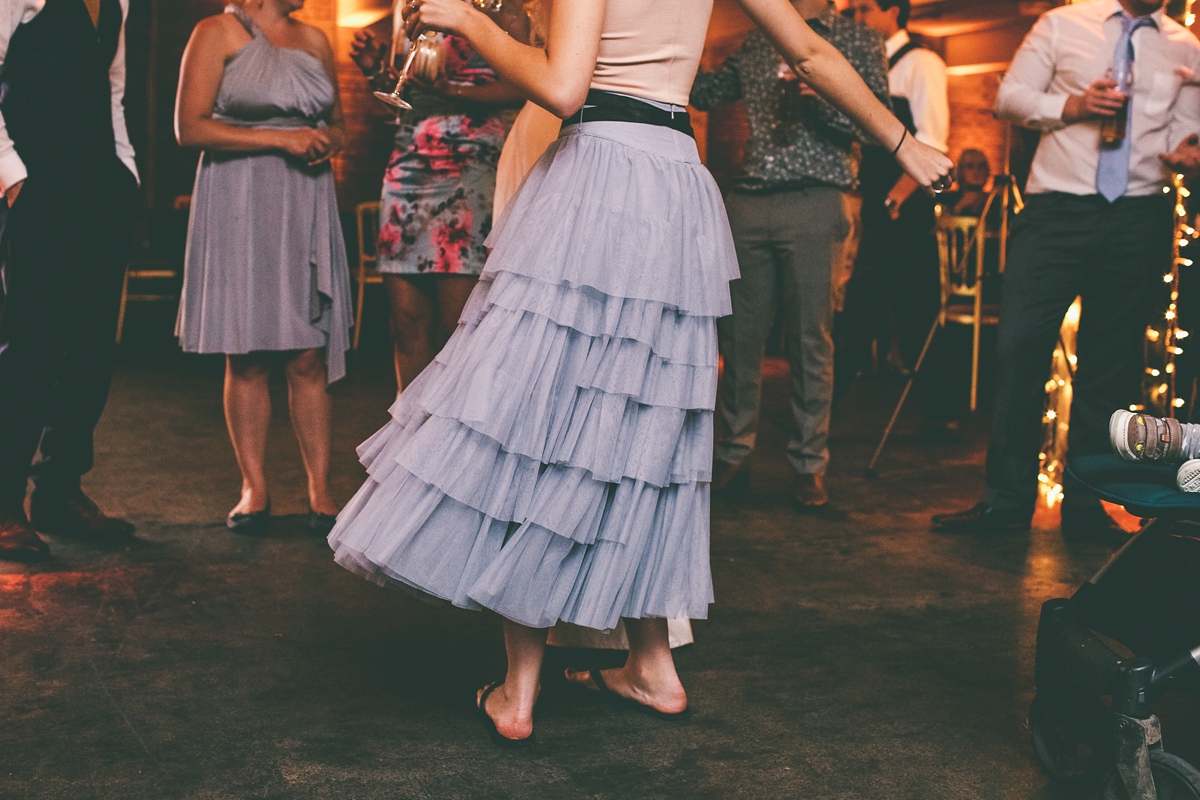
(394, 98)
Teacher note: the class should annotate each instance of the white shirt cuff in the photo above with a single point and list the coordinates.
(1050, 109)
(12, 170)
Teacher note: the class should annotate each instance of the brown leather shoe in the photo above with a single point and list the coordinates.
(18, 540)
(75, 515)
(810, 493)
(729, 477)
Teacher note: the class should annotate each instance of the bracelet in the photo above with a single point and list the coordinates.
(903, 136)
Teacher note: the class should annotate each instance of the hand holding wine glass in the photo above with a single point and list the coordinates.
(929, 167)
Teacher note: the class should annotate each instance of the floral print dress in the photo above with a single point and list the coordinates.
(436, 209)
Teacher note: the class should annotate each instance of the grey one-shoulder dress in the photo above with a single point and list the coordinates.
(266, 262)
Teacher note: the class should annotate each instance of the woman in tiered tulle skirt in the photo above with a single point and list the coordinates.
(553, 463)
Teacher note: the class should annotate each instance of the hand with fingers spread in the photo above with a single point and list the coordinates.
(367, 51)
(1185, 158)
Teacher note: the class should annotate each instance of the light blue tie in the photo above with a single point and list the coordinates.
(1112, 171)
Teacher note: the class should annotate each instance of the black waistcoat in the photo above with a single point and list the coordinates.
(55, 93)
(880, 171)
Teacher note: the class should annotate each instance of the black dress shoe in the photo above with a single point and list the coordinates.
(981, 518)
(1091, 523)
(728, 478)
(74, 514)
(252, 523)
(19, 541)
(320, 524)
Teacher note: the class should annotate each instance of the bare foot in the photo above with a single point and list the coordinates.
(512, 718)
(662, 692)
(252, 500)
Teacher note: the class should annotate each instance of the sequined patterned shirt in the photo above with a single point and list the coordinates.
(812, 148)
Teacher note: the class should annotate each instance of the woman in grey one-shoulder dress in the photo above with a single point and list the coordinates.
(266, 267)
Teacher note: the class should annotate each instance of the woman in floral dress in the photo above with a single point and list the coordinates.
(436, 207)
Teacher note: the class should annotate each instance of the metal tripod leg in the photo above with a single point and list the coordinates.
(870, 472)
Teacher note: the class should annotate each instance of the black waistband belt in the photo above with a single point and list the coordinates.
(603, 106)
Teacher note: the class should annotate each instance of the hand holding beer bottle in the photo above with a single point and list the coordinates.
(1100, 101)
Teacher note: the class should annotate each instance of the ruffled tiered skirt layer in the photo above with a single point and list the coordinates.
(554, 462)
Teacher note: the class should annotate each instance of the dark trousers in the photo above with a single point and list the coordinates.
(64, 248)
(1113, 257)
(896, 273)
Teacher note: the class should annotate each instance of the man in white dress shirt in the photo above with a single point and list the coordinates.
(1097, 225)
(897, 265)
(70, 190)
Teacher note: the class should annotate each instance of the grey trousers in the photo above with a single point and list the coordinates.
(790, 248)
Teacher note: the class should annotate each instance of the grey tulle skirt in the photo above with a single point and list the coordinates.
(554, 462)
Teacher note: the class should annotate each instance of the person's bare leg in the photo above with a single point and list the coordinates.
(648, 676)
(412, 319)
(248, 415)
(511, 705)
(452, 294)
(312, 418)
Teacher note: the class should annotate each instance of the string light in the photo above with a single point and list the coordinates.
(1159, 389)
(1164, 394)
(1057, 417)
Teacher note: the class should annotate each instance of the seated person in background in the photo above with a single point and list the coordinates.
(970, 196)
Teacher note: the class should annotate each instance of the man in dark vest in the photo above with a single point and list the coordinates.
(70, 189)
(897, 268)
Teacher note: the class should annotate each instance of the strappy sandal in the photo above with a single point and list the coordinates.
(489, 724)
(617, 701)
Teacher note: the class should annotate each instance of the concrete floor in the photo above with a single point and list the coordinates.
(851, 654)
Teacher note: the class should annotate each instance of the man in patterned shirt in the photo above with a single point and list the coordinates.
(789, 212)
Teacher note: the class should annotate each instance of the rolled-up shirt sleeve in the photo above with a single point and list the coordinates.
(1025, 97)
(116, 79)
(12, 168)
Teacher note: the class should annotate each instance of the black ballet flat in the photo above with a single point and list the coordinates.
(252, 524)
(489, 724)
(320, 524)
(617, 701)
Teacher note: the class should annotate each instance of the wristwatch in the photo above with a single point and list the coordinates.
(488, 5)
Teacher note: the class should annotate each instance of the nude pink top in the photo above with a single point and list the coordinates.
(651, 48)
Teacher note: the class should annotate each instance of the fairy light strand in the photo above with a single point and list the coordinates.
(1159, 381)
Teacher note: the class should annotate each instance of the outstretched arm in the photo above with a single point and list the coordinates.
(556, 78)
(822, 67)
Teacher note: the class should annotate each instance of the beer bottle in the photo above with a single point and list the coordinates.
(1114, 128)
